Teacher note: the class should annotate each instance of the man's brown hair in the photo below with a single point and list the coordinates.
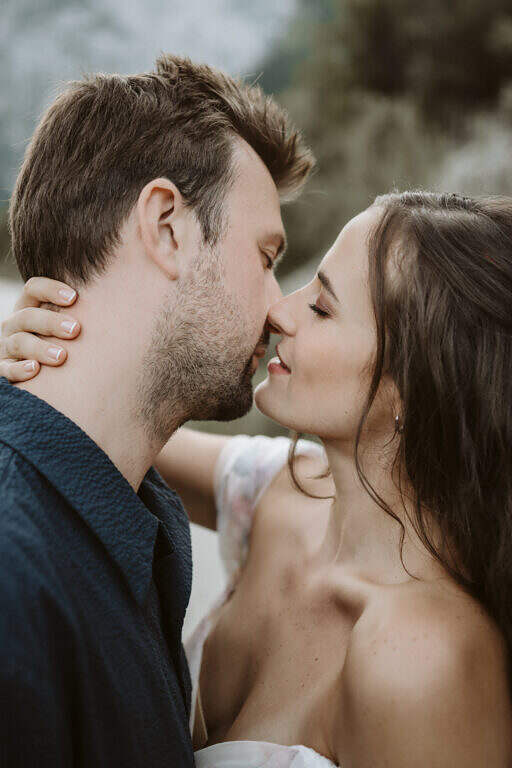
(106, 136)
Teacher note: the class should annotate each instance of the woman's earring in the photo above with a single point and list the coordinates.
(398, 427)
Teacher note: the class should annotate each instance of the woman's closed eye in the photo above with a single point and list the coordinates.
(319, 312)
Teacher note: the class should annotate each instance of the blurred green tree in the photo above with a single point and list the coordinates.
(384, 90)
(449, 59)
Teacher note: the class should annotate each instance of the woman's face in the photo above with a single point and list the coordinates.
(328, 355)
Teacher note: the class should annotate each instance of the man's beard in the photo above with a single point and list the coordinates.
(199, 365)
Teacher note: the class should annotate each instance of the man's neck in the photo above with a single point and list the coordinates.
(96, 386)
(100, 405)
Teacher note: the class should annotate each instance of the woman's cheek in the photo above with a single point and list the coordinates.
(324, 369)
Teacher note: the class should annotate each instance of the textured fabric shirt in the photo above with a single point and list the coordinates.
(94, 583)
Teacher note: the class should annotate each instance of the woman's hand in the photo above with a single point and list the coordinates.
(21, 350)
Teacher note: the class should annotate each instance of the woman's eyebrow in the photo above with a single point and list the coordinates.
(327, 284)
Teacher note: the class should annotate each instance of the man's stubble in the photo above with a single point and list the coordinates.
(199, 364)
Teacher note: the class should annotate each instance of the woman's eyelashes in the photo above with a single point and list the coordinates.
(319, 312)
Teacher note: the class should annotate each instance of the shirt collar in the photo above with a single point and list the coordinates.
(85, 476)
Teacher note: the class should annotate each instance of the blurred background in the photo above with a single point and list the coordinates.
(389, 94)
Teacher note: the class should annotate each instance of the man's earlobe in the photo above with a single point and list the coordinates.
(156, 213)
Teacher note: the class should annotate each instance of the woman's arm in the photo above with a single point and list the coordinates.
(187, 464)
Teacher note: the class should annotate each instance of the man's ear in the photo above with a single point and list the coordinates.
(159, 206)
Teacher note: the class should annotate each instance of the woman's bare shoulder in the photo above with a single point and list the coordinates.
(307, 468)
(426, 678)
(284, 510)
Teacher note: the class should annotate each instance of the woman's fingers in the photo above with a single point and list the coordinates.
(27, 347)
(21, 350)
(39, 289)
(43, 321)
(14, 370)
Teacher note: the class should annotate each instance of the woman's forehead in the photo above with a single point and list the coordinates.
(349, 254)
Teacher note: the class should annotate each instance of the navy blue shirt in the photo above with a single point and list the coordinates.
(94, 583)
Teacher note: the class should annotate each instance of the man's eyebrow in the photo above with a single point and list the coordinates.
(327, 284)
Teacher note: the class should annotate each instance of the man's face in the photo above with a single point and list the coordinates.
(206, 346)
(252, 244)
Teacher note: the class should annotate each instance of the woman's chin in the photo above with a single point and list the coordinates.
(262, 396)
(267, 402)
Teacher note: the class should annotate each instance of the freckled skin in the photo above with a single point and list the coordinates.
(284, 660)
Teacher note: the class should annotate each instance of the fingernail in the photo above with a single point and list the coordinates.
(68, 326)
(54, 353)
(67, 293)
(30, 366)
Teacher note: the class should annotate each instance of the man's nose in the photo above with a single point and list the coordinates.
(276, 294)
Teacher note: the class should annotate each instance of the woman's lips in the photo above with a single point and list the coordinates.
(276, 366)
(280, 358)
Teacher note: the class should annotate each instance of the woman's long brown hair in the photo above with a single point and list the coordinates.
(440, 273)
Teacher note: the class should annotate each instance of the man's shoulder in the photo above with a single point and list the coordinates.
(24, 493)
(18, 476)
(27, 527)
(33, 604)
(26, 552)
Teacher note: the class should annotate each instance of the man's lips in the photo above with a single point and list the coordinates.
(260, 352)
